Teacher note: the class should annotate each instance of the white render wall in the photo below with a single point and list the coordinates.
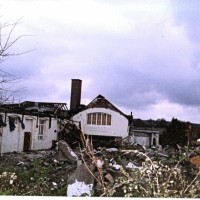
(144, 141)
(11, 141)
(118, 128)
(50, 135)
(14, 140)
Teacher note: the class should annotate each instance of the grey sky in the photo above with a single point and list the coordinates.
(142, 55)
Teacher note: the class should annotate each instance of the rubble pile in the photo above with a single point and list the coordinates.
(137, 171)
(129, 170)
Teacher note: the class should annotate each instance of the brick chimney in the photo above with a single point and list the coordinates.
(75, 101)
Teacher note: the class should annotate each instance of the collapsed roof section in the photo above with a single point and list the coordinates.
(101, 102)
(43, 109)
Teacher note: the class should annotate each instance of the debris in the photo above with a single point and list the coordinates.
(112, 150)
(109, 177)
(46, 164)
(195, 161)
(164, 155)
(99, 163)
(54, 184)
(80, 183)
(131, 165)
(116, 166)
(65, 152)
(79, 189)
(20, 163)
(76, 177)
(55, 161)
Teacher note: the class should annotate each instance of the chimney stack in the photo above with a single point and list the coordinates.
(75, 101)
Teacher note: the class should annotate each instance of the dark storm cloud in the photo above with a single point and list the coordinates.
(135, 53)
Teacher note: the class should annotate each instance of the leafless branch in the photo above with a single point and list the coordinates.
(7, 80)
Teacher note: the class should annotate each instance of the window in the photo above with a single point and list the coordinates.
(94, 118)
(89, 118)
(41, 129)
(99, 119)
(103, 119)
(108, 119)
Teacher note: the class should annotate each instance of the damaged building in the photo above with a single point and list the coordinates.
(100, 118)
(38, 125)
(147, 138)
(29, 125)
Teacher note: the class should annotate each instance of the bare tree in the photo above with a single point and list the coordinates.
(8, 80)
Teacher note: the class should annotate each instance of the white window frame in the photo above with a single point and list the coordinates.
(41, 129)
(91, 120)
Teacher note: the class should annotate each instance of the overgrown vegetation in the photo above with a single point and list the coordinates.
(173, 176)
(155, 175)
(38, 179)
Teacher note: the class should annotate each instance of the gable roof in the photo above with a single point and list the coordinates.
(101, 102)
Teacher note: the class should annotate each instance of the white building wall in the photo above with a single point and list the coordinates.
(144, 141)
(118, 128)
(49, 136)
(14, 140)
(11, 139)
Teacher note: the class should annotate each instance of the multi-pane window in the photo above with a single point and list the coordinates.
(41, 129)
(89, 118)
(94, 118)
(103, 118)
(99, 119)
(108, 119)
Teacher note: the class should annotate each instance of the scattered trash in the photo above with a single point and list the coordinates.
(79, 189)
(131, 166)
(112, 150)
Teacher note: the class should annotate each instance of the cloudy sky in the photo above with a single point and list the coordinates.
(142, 55)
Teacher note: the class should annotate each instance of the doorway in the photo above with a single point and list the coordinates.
(27, 141)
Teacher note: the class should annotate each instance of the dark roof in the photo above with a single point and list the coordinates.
(146, 131)
(36, 108)
(101, 102)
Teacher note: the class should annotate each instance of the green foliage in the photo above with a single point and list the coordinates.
(34, 181)
(175, 133)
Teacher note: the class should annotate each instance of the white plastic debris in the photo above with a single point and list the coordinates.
(13, 176)
(20, 163)
(54, 184)
(100, 163)
(73, 154)
(116, 166)
(131, 166)
(164, 155)
(112, 149)
(78, 189)
(55, 161)
(4, 173)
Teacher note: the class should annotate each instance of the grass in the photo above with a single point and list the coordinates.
(34, 182)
